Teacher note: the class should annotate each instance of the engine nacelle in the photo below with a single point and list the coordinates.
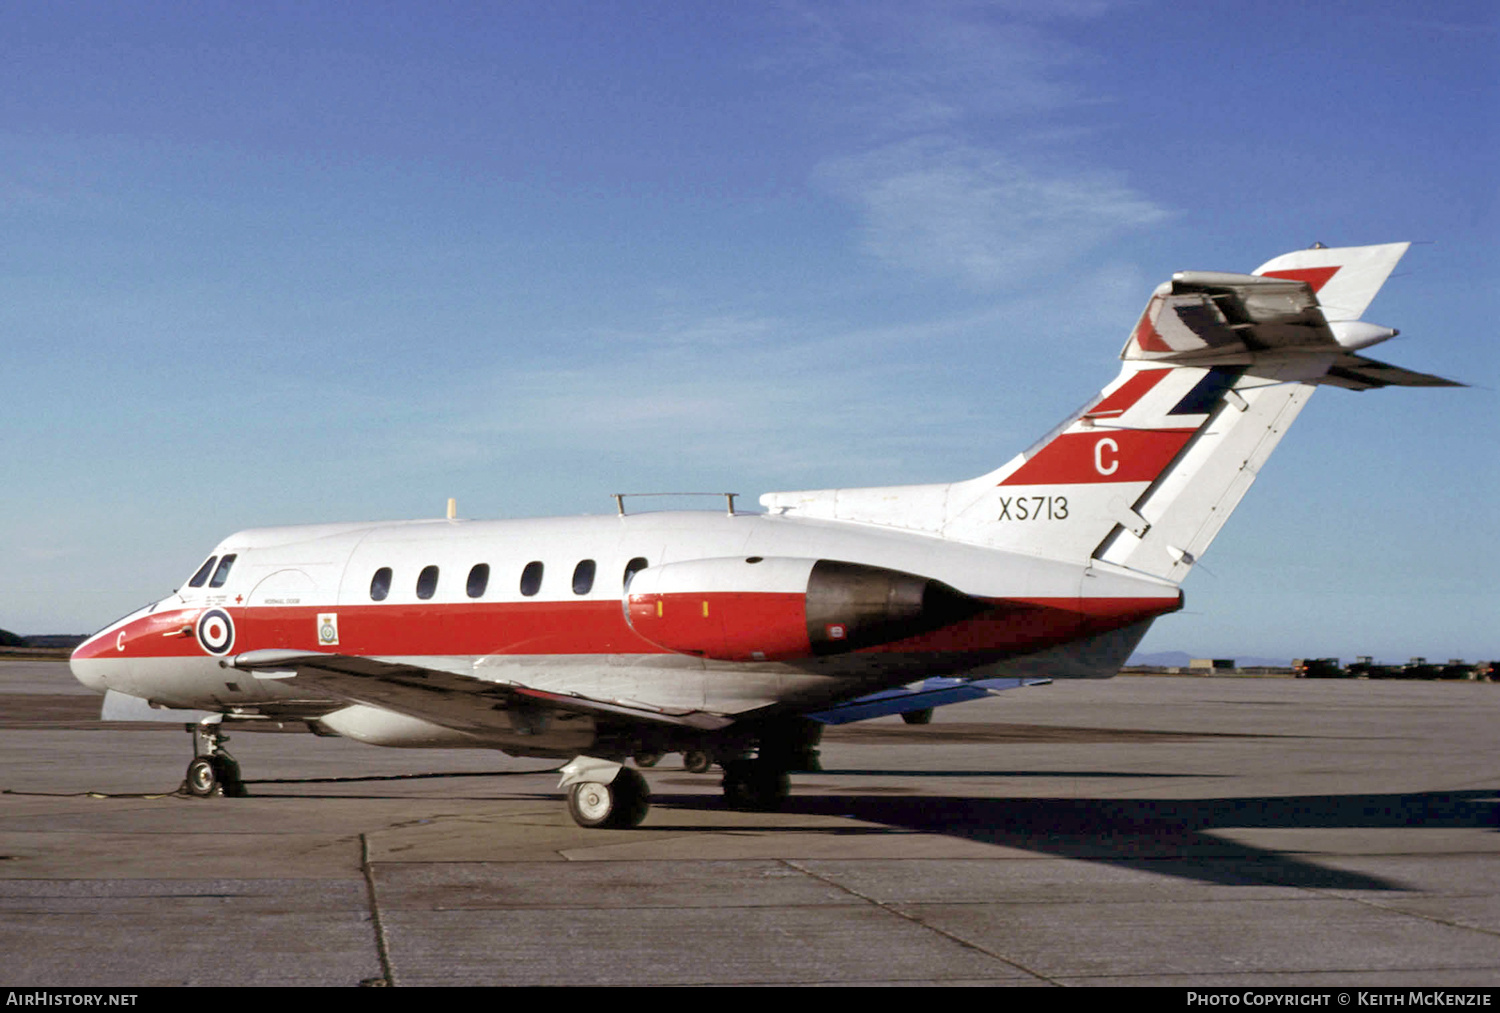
(774, 609)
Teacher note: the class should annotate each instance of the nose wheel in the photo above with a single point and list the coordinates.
(213, 771)
(208, 776)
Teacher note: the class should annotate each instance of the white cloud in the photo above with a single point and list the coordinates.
(948, 209)
(941, 184)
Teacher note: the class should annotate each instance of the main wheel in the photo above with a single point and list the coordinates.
(696, 761)
(228, 773)
(755, 786)
(647, 759)
(921, 717)
(620, 804)
(203, 777)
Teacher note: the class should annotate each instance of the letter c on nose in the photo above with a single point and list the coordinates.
(1114, 462)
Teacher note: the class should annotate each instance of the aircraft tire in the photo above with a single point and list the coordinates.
(696, 761)
(645, 759)
(621, 804)
(755, 786)
(228, 772)
(921, 717)
(203, 777)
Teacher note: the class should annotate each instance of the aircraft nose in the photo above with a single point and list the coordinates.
(88, 664)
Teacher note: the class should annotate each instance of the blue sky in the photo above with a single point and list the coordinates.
(285, 263)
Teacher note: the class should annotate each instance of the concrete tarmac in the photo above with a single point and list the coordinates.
(1153, 831)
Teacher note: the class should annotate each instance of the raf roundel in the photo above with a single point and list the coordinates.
(216, 631)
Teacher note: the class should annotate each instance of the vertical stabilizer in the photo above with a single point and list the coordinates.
(1214, 372)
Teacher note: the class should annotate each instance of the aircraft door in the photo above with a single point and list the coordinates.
(280, 611)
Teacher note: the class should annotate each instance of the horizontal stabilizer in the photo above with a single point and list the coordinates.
(1355, 372)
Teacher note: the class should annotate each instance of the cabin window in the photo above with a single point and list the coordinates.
(634, 567)
(201, 577)
(222, 573)
(427, 582)
(380, 584)
(531, 578)
(583, 577)
(479, 579)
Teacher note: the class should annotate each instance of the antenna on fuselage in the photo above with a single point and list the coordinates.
(452, 508)
(619, 498)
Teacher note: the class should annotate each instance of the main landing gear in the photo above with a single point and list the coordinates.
(604, 793)
(758, 785)
(213, 771)
(756, 762)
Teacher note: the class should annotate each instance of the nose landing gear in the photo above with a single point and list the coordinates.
(213, 771)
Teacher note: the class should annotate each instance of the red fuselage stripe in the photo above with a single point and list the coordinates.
(596, 627)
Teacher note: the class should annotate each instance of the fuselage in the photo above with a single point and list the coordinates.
(546, 603)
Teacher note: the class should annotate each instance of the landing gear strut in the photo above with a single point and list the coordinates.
(213, 771)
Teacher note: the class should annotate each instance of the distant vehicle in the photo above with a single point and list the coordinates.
(1366, 669)
(719, 634)
(1421, 669)
(1319, 668)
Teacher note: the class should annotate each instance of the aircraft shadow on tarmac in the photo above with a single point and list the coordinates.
(1175, 835)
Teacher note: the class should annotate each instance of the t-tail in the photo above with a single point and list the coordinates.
(1146, 474)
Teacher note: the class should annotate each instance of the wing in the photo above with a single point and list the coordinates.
(450, 699)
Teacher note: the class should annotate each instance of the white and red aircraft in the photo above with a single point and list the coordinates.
(724, 633)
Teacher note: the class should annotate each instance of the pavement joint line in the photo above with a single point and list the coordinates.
(905, 916)
(1370, 903)
(382, 950)
(1401, 911)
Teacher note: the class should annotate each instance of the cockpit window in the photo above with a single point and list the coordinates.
(201, 577)
(222, 573)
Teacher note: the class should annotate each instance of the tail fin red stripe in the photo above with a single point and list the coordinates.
(1317, 277)
(1129, 393)
(1146, 335)
(1103, 455)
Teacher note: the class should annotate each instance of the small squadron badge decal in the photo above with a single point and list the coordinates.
(328, 629)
